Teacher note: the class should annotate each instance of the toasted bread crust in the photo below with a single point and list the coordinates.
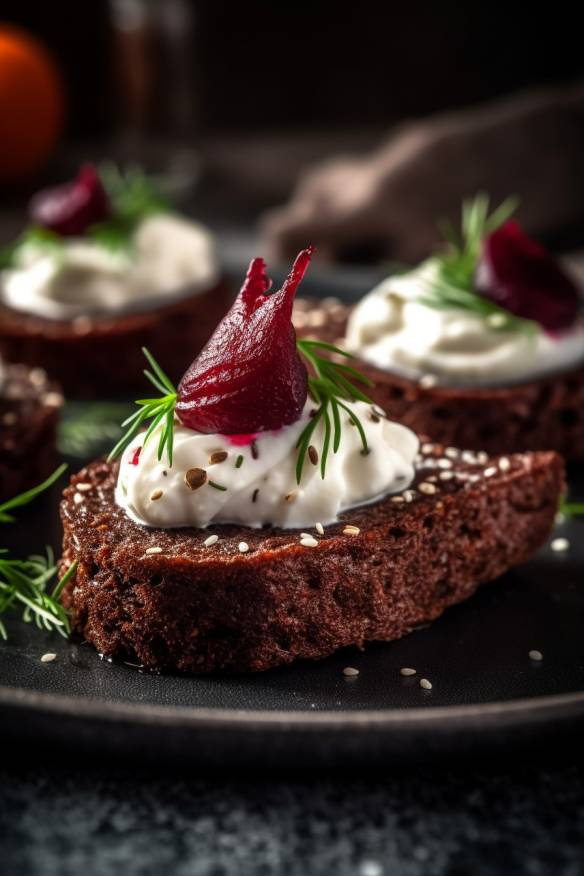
(204, 609)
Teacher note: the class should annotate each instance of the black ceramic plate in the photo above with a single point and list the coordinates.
(486, 691)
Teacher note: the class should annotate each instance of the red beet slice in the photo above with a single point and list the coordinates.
(519, 274)
(249, 377)
(69, 209)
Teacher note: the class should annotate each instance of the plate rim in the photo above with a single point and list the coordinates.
(558, 707)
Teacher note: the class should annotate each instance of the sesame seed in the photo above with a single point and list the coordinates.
(489, 472)
(291, 496)
(218, 456)
(451, 452)
(83, 488)
(195, 478)
(350, 672)
(409, 495)
(153, 550)
(48, 658)
(351, 530)
(536, 655)
(306, 535)
(407, 670)
(425, 684)
(446, 475)
(427, 488)
(157, 494)
(78, 498)
(432, 479)
(497, 320)
(243, 547)
(469, 456)
(313, 455)
(427, 448)
(319, 528)
(504, 464)
(444, 463)
(427, 381)
(560, 545)
(397, 500)
(53, 399)
(309, 542)
(211, 540)
(482, 457)
(37, 376)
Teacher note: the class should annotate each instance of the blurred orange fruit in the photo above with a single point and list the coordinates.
(31, 104)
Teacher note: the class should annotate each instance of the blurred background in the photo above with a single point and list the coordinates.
(236, 101)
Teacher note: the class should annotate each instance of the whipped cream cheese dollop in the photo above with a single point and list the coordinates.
(261, 488)
(170, 256)
(392, 329)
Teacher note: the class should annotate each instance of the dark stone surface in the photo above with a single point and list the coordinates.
(488, 818)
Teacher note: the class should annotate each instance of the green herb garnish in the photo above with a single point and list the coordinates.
(34, 235)
(156, 410)
(330, 386)
(572, 509)
(24, 583)
(455, 287)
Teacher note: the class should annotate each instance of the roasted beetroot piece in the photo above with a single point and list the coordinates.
(249, 377)
(70, 209)
(520, 275)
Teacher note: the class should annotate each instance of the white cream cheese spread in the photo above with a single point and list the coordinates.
(170, 256)
(213, 480)
(393, 330)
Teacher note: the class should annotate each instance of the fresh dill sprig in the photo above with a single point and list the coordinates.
(24, 583)
(572, 509)
(331, 385)
(29, 495)
(156, 410)
(33, 235)
(455, 286)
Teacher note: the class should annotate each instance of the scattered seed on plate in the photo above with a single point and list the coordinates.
(452, 452)
(78, 498)
(427, 448)
(407, 670)
(157, 494)
(427, 488)
(446, 475)
(306, 535)
(489, 472)
(211, 540)
(309, 542)
(444, 463)
(243, 547)
(425, 684)
(397, 500)
(351, 530)
(153, 550)
(48, 658)
(504, 464)
(83, 488)
(535, 655)
(560, 545)
(319, 528)
(350, 672)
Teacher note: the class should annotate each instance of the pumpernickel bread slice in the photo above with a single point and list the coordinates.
(165, 599)
(543, 414)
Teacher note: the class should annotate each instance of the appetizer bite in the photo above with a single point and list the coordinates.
(272, 512)
(103, 268)
(29, 413)
(481, 346)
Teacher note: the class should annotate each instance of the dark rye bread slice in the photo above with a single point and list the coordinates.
(97, 356)
(544, 414)
(164, 599)
(29, 413)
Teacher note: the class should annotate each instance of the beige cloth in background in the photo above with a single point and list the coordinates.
(387, 203)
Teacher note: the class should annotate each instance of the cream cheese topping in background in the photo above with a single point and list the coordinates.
(391, 329)
(351, 478)
(170, 255)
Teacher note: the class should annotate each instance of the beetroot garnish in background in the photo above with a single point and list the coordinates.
(249, 377)
(520, 275)
(69, 209)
